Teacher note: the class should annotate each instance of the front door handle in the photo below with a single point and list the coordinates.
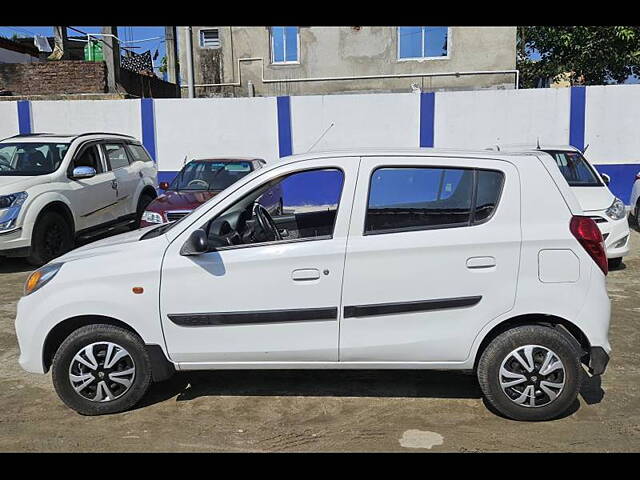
(481, 262)
(305, 274)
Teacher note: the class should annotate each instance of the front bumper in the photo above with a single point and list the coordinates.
(14, 242)
(598, 360)
(30, 337)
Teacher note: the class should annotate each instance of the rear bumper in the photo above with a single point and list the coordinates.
(598, 360)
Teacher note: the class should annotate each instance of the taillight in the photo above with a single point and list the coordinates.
(588, 234)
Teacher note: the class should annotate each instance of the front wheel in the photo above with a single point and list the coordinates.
(530, 373)
(101, 369)
(52, 237)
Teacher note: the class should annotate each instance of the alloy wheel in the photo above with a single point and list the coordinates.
(532, 376)
(102, 372)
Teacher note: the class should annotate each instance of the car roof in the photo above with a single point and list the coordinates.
(528, 147)
(64, 137)
(408, 152)
(227, 159)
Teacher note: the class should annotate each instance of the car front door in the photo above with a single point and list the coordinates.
(267, 301)
(93, 199)
(425, 269)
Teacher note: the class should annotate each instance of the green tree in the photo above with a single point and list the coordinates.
(587, 55)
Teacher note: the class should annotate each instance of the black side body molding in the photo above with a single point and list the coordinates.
(264, 316)
(407, 307)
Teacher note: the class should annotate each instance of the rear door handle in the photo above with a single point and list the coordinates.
(481, 262)
(305, 274)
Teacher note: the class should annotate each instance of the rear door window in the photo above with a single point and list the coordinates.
(116, 155)
(410, 198)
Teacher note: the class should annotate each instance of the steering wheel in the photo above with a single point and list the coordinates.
(266, 223)
(198, 181)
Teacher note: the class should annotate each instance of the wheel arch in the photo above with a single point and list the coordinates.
(60, 207)
(573, 333)
(148, 190)
(62, 330)
(161, 367)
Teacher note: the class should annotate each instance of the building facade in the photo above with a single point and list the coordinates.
(267, 61)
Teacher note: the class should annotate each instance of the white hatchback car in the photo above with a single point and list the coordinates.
(57, 188)
(421, 259)
(591, 189)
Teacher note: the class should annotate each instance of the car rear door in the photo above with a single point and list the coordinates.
(424, 270)
(127, 176)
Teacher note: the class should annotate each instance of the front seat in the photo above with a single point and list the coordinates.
(35, 161)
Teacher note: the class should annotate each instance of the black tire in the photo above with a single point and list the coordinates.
(143, 202)
(97, 334)
(52, 237)
(500, 349)
(615, 263)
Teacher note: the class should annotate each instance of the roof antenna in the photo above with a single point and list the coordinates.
(585, 149)
(538, 142)
(184, 162)
(316, 142)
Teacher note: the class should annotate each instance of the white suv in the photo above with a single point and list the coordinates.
(593, 193)
(57, 188)
(420, 259)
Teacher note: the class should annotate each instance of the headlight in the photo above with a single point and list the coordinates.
(13, 200)
(41, 277)
(616, 211)
(152, 217)
(10, 208)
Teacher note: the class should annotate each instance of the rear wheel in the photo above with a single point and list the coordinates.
(101, 369)
(530, 373)
(143, 203)
(52, 237)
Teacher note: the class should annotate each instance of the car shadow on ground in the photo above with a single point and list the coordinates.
(15, 265)
(315, 383)
(186, 386)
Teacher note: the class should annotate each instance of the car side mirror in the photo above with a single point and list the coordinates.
(164, 185)
(83, 172)
(606, 178)
(197, 243)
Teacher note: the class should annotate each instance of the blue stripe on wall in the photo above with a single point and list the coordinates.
(24, 117)
(622, 177)
(427, 118)
(148, 121)
(576, 117)
(284, 126)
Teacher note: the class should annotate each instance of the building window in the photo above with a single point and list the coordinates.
(209, 38)
(284, 45)
(423, 42)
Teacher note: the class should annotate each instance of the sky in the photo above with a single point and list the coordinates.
(126, 34)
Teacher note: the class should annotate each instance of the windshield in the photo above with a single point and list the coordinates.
(575, 169)
(205, 175)
(29, 159)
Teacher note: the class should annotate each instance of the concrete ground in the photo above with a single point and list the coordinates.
(266, 411)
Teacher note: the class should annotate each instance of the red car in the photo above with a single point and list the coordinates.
(198, 181)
